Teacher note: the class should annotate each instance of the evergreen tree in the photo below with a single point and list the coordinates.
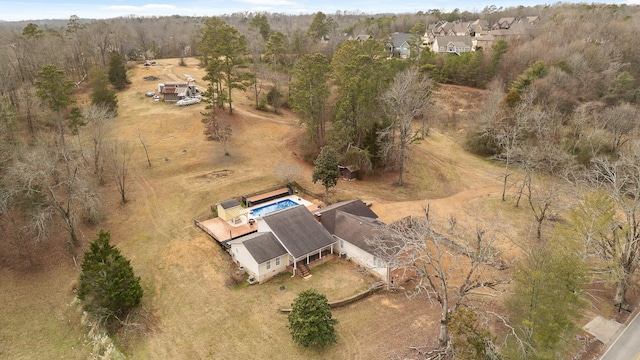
(309, 94)
(108, 287)
(118, 72)
(55, 90)
(545, 303)
(224, 52)
(261, 23)
(326, 169)
(310, 320)
(101, 94)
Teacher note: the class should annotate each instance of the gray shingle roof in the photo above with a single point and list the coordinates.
(355, 207)
(263, 246)
(298, 231)
(400, 38)
(356, 230)
(228, 204)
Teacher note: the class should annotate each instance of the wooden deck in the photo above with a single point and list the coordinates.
(261, 198)
(222, 231)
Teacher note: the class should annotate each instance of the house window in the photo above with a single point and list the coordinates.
(341, 244)
(268, 264)
(277, 261)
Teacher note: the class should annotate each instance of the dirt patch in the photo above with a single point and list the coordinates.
(215, 174)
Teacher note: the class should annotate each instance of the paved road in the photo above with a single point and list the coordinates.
(626, 346)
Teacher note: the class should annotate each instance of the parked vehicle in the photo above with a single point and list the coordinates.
(188, 101)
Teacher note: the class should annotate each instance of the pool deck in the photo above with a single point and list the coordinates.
(223, 231)
(264, 198)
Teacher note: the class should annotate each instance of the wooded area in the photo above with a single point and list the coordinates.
(560, 117)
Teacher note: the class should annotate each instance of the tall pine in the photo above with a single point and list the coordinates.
(118, 72)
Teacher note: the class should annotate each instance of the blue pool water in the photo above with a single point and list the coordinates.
(267, 209)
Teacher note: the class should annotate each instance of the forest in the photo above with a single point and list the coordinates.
(557, 119)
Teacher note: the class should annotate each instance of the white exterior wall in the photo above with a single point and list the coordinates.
(241, 255)
(363, 258)
(274, 270)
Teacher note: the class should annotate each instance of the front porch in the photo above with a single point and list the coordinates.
(303, 267)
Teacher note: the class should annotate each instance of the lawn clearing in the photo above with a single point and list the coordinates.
(189, 311)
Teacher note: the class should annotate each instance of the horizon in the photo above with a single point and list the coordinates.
(30, 10)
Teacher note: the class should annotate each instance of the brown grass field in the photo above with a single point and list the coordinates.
(189, 309)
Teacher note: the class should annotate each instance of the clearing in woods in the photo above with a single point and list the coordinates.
(190, 310)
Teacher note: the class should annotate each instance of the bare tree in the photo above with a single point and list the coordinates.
(287, 172)
(53, 182)
(448, 271)
(97, 128)
(407, 98)
(120, 158)
(619, 248)
(620, 120)
(218, 127)
(542, 202)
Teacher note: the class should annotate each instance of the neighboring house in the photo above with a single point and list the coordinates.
(459, 29)
(484, 41)
(172, 92)
(452, 44)
(361, 37)
(400, 45)
(442, 28)
(504, 23)
(286, 239)
(479, 27)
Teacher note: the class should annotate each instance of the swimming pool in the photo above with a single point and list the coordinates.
(267, 209)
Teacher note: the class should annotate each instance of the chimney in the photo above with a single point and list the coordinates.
(317, 216)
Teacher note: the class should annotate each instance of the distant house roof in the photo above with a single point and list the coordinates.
(356, 230)
(262, 246)
(460, 28)
(298, 231)
(355, 207)
(228, 204)
(398, 39)
(362, 37)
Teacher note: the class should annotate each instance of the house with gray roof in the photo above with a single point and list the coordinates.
(357, 231)
(260, 253)
(290, 237)
(400, 45)
(452, 44)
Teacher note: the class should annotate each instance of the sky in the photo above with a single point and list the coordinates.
(100, 9)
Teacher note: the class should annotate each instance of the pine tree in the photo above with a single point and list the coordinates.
(101, 94)
(108, 287)
(326, 169)
(55, 90)
(118, 72)
(310, 320)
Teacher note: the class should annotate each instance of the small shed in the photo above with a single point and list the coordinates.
(231, 209)
(349, 172)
